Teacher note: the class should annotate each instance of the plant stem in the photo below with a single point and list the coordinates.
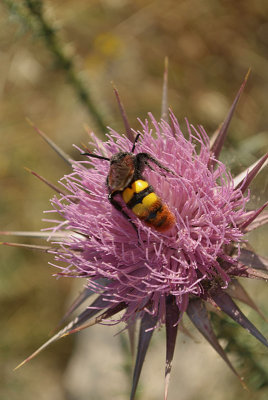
(43, 28)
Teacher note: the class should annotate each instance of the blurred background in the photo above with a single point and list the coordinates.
(57, 61)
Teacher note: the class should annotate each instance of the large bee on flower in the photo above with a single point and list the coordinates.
(125, 178)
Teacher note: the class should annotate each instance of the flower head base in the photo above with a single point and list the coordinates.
(150, 274)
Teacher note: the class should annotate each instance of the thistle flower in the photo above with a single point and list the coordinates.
(140, 273)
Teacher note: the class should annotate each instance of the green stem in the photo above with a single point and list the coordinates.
(65, 63)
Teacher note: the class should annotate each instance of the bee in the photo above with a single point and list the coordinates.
(125, 178)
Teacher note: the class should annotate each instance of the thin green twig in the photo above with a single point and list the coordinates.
(31, 14)
(230, 332)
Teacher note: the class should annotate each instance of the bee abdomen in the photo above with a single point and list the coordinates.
(147, 206)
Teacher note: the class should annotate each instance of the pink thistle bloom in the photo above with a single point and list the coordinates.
(147, 274)
(142, 268)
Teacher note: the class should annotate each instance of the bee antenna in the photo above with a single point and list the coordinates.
(134, 143)
(95, 156)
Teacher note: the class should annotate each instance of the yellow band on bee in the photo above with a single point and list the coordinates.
(139, 209)
(136, 187)
(127, 195)
(139, 185)
(142, 208)
(150, 199)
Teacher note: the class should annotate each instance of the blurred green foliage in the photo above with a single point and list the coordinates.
(47, 70)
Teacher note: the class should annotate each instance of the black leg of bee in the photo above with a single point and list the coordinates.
(143, 158)
(118, 207)
(134, 143)
(152, 169)
(149, 166)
